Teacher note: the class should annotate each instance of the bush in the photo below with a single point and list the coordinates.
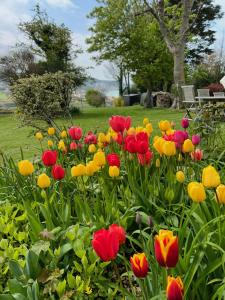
(44, 96)
(118, 101)
(95, 98)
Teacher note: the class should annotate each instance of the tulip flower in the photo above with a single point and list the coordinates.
(166, 249)
(197, 154)
(175, 288)
(51, 131)
(106, 244)
(145, 159)
(120, 123)
(139, 265)
(61, 145)
(180, 176)
(50, 143)
(164, 125)
(90, 138)
(26, 168)
(75, 133)
(210, 177)
(99, 158)
(73, 146)
(113, 159)
(149, 128)
(119, 231)
(39, 136)
(145, 121)
(92, 148)
(91, 168)
(43, 181)
(187, 146)
(58, 172)
(169, 148)
(196, 139)
(114, 171)
(63, 134)
(78, 170)
(49, 158)
(220, 193)
(158, 145)
(185, 123)
(196, 191)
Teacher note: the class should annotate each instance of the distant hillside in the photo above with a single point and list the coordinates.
(108, 87)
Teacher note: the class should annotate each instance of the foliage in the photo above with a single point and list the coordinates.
(50, 229)
(215, 87)
(95, 97)
(44, 96)
(118, 101)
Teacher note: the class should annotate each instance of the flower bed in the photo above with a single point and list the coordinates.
(121, 214)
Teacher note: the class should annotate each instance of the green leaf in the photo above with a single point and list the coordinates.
(32, 267)
(61, 287)
(71, 281)
(15, 269)
(16, 287)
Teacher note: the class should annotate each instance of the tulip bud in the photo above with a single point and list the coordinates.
(196, 191)
(150, 222)
(185, 123)
(220, 193)
(138, 218)
(180, 176)
(210, 177)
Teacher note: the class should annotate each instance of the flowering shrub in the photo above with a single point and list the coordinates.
(116, 214)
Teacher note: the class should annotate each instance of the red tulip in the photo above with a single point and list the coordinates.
(166, 249)
(142, 147)
(139, 265)
(106, 244)
(142, 136)
(113, 159)
(130, 144)
(73, 146)
(196, 139)
(90, 138)
(49, 158)
(119, 139)
(119, 231)
(75, 133)
(175, 288)
(58, 172)
(197, 154)
(145, 159)
(120, 123)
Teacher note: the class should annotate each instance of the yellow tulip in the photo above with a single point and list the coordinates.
(158, 145)
(63, 134)
(196, 191)
(61, 145)
(220, 193)
(131, 131)
(43, 181)
(210, 177)
(180, 176)
(99, 158)
(91, 168)
(157, 163)
(92, 148)
(101, 137)
(51, 131)
(25, 167)
(164, 125)
(169, 148)
(139, 129)
(50, 143)
(145, 121)
(39, 136)
(78, 170)
(149, 128)
(114, 171)
(188, 146)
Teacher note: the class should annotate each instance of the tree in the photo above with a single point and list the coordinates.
(135, 42)
(51, 41)
(19, 63)
(175, 23)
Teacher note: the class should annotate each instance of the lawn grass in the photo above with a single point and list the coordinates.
(13, 137)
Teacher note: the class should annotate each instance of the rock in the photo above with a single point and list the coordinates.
(164, 99)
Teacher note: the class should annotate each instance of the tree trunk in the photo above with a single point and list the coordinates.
(179, 77)
(120, 80)
(148, 101)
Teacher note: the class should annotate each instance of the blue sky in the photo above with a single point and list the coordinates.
(73, 14)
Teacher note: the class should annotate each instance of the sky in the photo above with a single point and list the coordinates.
(73, 13)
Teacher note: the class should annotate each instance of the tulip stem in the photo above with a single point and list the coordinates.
(165, 275)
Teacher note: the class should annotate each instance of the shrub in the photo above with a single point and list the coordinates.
(95, 98)
(118, 101)
(44, 96)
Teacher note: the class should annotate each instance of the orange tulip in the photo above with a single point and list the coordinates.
(139, 265)
(166, 249)
(175, 288)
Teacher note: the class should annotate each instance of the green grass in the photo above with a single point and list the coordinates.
(13, 137)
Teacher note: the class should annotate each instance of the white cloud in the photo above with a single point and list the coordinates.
(61, 3)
